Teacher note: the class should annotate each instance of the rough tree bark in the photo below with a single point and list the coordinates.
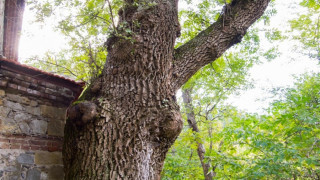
(208, 171)
(125, 122)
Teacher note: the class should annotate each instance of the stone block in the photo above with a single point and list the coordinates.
(10, 169)
(13, 86)
(21, 88)
(34, 92)
(55, 173)
(55, 128)
(53, 112)
(19, 76)
(50, 91)
(24, 128)
(18, 98)
(2, 93)
(8, 125)
(14, 97)
(38, 127)
(21, 116)
(25, 159)
(4, 111)
(12, 105)
(51, 86)
(33, 103)
(33, 174)
(33, 110)
(25, 100)
(48, 158)
(1, 102)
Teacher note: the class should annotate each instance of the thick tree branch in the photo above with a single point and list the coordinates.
(211, 43)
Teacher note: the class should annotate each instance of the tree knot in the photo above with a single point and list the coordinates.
(171, 125)
(82, 113)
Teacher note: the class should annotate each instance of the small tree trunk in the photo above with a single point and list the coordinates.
(206, 166)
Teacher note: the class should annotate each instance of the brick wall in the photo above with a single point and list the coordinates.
(32, 118)
(30, 143)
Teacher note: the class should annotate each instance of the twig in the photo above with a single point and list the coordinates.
(112, 18)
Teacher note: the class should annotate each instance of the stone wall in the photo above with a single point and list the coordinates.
(20, 114)
(32, 118)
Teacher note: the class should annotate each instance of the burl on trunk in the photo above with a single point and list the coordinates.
(126, 121)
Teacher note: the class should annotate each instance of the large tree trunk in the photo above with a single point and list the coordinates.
(132, 118)
(125, 122)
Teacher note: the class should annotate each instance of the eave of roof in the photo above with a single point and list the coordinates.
(38, 74)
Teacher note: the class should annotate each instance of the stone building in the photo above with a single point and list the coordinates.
(32, 108)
